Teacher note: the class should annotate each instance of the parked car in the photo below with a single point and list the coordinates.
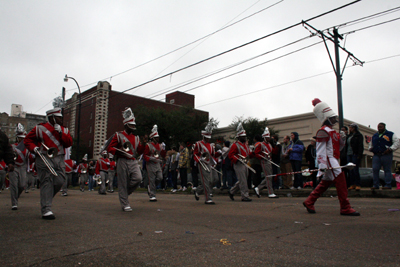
(367, 177)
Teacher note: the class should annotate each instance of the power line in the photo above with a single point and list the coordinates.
(235, 48)
(186, 45)
(294, 81)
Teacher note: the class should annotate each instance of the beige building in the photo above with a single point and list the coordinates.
(307, 125)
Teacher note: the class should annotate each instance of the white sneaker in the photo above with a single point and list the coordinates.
(48, 213)
(184, 189)
(257, 191)
(64, 194)
(173, 190)
(153, 199)
(299, 188)
(292, 188)
(194, 188)
(180, 189)
(272, 196)
(209, 202)
(128, 208)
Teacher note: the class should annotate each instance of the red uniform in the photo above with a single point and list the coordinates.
(102, 165)
(122, 137)
(70, 166)
(150, 150)
(241, 149)
(83, 168)
(44, 133)
(261, 147)
(112, 165)
(22, 156)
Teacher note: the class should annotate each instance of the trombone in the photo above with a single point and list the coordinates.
(51, 152)
(126, 147)
(202, 163)
(267, 158)
(243, 160)
(46, 162)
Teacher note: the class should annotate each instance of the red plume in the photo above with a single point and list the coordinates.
(316, 101)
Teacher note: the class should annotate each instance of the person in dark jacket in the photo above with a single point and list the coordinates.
(311, 157)
(296, 149)
(354, 151)
(6, 151)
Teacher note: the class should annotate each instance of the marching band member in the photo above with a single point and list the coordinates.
(263, 151)
(203, 154)
(151, 155)
(124, 144)
(18, 180)
(239, 151)
(111, 174)
(102, 168)
(69, 168)
(53, 136)
(329, 144)
(83, 172)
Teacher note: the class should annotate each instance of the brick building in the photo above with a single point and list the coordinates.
(101, 113)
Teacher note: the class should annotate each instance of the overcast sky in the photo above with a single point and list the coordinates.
(41, 41)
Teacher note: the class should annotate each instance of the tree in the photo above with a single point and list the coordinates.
(253, 126)
(180, 125)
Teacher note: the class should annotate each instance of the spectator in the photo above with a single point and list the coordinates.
(276, 158)
(343, 155)
(296, 149)
(383, 144)
(183, 165)
(311, 157)
(286, 166)
(194, 170)
(173, 169)
(227, 170)
(354, 151)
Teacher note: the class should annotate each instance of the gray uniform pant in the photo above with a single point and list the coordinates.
(241, 185)
(155, 176)
(83, 178)
(31, 179)
(17, 183)
(111, 175)
(206, 181)
(129, 178)
(267, 182)
(2, 178)
(104, 177)
(50, 184)
(68, 181)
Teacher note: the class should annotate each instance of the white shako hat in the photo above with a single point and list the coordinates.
(266, 133)
(129, 117)
(20, 131)
(240, 130)
(54, 112)
(207, 131)
(154, 132)
(110, 156)
(85, 157)
(322, 111)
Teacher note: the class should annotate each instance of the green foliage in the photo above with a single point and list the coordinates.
(180, 125)
(253, 126)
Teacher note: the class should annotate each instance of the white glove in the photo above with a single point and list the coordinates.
(57, 127)
(219, 151)
(36, 150)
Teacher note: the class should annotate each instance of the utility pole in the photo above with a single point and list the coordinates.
(336, 67)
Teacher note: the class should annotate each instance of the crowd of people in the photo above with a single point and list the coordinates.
(41, 158)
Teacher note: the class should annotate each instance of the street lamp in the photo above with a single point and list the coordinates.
(79, 115)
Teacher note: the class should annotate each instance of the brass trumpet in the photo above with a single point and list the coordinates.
(84, 170)
(156, 154)
(126, 147)
(97, 178)
(205, 156)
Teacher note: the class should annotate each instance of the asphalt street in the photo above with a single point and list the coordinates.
(92, 230)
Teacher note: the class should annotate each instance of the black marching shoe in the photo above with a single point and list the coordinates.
(48, 216)
(230, 195)
(209, 202)
(196, 196)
